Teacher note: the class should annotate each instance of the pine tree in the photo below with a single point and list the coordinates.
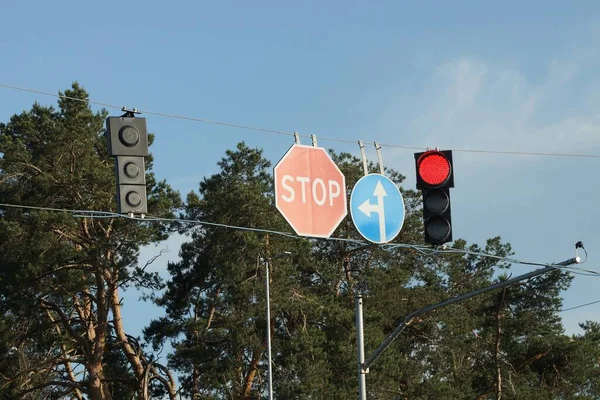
(61, 274)
(503, 344)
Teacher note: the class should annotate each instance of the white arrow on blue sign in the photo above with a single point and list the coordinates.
(377, 208)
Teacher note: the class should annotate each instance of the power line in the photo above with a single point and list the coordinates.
(206, 121)
(71, 211)
(421, 249)
(280, 132)
(424, 250)
(580, 306)
(524, 153)
(109, 214)
(428, 251)
(24, 89)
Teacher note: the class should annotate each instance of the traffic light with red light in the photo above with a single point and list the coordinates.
(435, 177)
(128, 143)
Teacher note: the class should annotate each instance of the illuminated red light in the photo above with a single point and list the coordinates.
(433, 168)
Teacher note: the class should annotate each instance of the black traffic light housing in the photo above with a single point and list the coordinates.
(435, 177)
(128, 142)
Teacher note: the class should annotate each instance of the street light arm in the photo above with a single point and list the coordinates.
(409, 318)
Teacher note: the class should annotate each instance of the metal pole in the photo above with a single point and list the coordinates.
(408, 319)
(267, 263)
(360, 353)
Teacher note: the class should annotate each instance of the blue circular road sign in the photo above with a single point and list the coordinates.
(377, 208)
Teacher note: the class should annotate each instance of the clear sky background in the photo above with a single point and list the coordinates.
(507, 76)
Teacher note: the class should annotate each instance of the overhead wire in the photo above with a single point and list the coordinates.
(166, 115)
(424, 250)
(61, 96)
(428, 251)
(421, 249)
(287, 133)
(149, 218)
(580, 306)
(87, 213)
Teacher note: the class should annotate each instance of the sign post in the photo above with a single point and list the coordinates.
(310, 191)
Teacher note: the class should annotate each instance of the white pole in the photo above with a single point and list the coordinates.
(360, 354)
(269, 332)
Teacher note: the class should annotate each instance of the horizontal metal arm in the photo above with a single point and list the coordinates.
(408, 319)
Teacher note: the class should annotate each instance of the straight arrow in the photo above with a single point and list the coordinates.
(380, 194)
(367, 208)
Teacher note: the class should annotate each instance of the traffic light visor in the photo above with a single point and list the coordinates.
(434, 168)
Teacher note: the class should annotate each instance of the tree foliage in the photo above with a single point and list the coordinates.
(61, 274)
(61, 329)
(504, 344)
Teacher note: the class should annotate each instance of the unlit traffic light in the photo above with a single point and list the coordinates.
(128, 143)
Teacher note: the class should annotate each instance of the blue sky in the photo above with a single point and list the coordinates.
(513, 76)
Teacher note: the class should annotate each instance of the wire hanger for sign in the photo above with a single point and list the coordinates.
(363, 155)
(313, 139)
(379, 158)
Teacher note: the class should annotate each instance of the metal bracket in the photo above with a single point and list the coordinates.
(379, 158)
(129, 113)
(296, 138)
(133, 215)
(314, 140)
(363, 156)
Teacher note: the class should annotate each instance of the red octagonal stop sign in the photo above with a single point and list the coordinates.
(310, 191)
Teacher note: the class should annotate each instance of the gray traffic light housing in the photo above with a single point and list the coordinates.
(132, 199)
(127, 136)
(130, 170)
(127, 139)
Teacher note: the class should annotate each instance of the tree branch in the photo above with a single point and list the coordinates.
(143, 269)
(67, 325)
(79, 266)
(129, 351)
(38, 170)
(77, 386)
